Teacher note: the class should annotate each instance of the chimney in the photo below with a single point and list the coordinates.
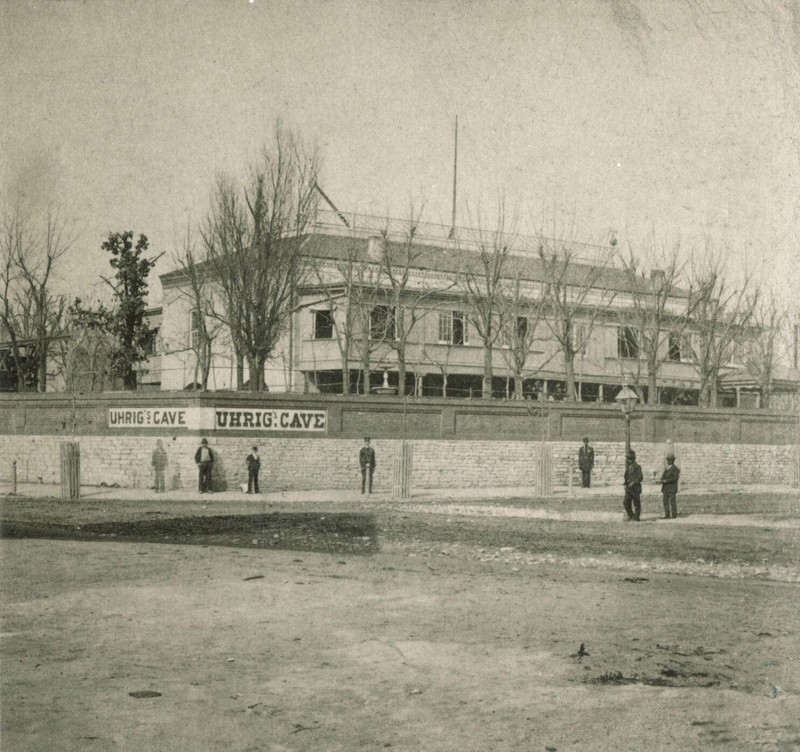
(376, 247)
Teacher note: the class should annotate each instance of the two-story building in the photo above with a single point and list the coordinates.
(421, 314)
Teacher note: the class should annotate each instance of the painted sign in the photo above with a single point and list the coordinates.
(156, 417)
(218, 418)
(271, 419)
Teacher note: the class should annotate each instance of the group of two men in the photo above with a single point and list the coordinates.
(204, 458)
(633, 482)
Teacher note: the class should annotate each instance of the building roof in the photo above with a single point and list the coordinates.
(449, 257)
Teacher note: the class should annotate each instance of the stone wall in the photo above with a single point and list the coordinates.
(456, 443)
(307, 464)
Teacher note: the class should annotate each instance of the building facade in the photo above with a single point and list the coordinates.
(371, 307)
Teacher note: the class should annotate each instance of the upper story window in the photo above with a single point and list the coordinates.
(522, 328)
(152, 345)
(323, 325)
(737, 352)
(382, 323)
(627, 343)
(674, 347)
(688, 350)
(581, 339)
(453, 328)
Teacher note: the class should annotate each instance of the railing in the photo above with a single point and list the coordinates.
(367, 225)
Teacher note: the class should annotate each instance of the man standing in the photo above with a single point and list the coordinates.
(633, 488)
(669, 487)
(586, 463)
(253, 466)
(366, 458)
(204, 458)
(159, 463)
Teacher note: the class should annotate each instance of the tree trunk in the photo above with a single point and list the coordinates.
(713, 390)
(518, 386)
(42, 380)
(401, 371)
(129, 379)
(444, 384)
(197, 374)
(365, 365)
(255, 365)
(345, 374)
(206, 364)
(487, 371)
(239, 372)
(652, 382)
(569, 370)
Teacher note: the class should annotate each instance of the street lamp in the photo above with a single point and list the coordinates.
(627, 400)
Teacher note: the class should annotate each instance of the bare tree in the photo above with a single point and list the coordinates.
(722, 315)
(31, 312)
(482, 281)
(85, 356)
(253, 240)
(440, 358)
(197, 288)
(524, 310)
(764, 350)
(575, 296)
(660, 313)
(350, 287)
(405, 293)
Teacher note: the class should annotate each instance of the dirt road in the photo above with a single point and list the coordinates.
(427, 643)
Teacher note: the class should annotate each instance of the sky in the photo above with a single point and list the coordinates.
(675, 120)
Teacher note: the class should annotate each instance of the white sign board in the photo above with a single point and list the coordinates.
(157, 417)
(218, 418)
(271, 420)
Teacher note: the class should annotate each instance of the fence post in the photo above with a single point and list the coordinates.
(401, 476)
(70, 470)
(546, 470)
(14, 478)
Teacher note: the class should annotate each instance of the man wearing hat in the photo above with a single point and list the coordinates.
(669, 486)
(204, 458)
(586, 463)
(253, 466)
(633, 488)
(366, 458)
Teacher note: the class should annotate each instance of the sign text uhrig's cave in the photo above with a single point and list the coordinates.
(152, 417)
(270, 419)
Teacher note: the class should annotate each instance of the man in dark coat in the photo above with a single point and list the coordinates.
(669, 487)
(633, 488)
(366, 458)
(253, 466)
(204, 458)
(586, 463)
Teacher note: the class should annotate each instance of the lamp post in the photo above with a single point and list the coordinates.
(627, 400)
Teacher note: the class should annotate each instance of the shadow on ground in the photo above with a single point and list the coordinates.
(341, 533)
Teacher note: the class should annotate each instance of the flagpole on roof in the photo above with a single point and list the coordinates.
(455, 180)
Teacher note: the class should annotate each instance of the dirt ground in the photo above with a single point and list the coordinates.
(479, 627)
